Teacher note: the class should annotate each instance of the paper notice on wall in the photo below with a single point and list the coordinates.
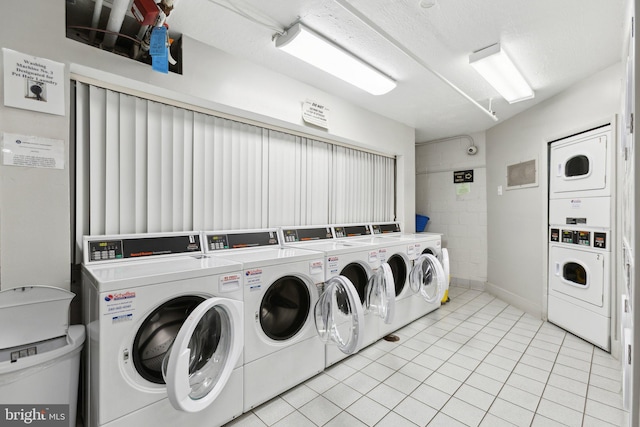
(315, 114)
(33, 83)
(464, 188)
(32, 151)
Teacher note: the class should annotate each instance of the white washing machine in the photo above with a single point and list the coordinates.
(290, 311)
(419, 278)
(357, 261)
(582, 165)
(580, 282)
(165, 332)
(424, 243)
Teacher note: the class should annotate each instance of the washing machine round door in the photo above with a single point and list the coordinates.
(339, 315)
(428, 277)
(203, 354)
(381, 294)
(399, 271)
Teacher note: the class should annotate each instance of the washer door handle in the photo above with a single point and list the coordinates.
(557, 269)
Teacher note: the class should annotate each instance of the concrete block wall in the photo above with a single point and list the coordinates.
(461, 218)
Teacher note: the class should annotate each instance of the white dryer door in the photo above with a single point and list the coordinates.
(428, 277)
(578, 166)
(380, 295)
(204, 354)
(339, 315)
(580, 274)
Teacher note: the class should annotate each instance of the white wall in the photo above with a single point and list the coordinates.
(462, 219)
(35, 202)
(517, 220)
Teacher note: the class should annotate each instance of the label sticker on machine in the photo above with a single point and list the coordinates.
(572, 221)
(382, 254)
(253, 279)
(316, 267)
(576, 203)
(332, 264)
(373, 256)
(120, 306)
(229, 283)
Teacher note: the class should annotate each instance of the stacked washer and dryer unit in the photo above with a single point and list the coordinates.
(165, 332)
(581, 237)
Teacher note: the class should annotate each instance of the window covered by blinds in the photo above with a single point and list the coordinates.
(145, 166)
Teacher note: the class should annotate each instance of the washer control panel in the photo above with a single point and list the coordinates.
(250, 239)
(104, 248)
(292, 235)
(386, 228)
(351, 231)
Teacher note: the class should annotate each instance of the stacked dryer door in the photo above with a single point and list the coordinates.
(581, 236)
(290, 311)
(359, 263)
(165, 332)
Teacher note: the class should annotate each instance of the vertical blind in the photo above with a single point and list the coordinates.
(144, 166)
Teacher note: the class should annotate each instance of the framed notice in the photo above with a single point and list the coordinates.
(33, 83)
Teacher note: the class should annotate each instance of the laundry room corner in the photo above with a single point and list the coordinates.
(457, 211)
(517, 220)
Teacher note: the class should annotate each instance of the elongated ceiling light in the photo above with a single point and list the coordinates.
(495, 66)
(314, 49)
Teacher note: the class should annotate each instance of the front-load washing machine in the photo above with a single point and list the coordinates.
(165, 332)
(419, 279)
(580, 282)
(424, 243)
(291, 311)
(359, 262)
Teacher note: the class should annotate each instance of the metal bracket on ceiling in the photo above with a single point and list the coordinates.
(372, 25)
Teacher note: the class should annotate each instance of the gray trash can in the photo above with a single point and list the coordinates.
(39, 357)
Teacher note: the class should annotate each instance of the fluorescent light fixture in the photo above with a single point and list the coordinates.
(314, 49)
(495, 66)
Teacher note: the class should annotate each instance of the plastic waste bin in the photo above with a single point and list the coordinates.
(421, 222)
(39, 357)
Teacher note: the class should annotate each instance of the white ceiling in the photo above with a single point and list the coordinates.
(555, 43)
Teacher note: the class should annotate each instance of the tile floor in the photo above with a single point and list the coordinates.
(477, 361)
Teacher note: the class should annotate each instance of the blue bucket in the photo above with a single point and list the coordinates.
(421, 222)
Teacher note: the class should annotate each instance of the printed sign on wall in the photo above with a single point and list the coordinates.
(33, 83)
(315, 114)
(32, 151)
(462, 176)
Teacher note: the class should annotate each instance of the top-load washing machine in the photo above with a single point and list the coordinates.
(165, 332)
(581, 166)
(291, 310)
(359, 262)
